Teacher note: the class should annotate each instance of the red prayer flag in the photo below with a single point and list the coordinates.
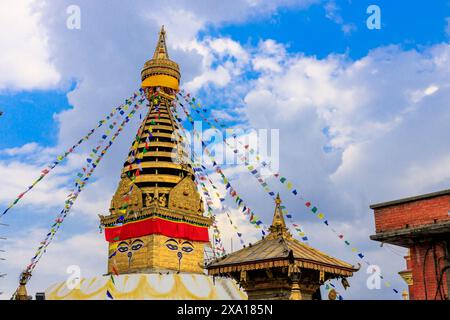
(115, 271)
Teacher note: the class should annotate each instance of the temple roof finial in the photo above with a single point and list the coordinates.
(278, 199)
(278, 227)
(161, 47)
(160, 71)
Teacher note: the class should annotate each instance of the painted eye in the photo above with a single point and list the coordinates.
(172, 246)
(122, 249)
(136, 246)
(187, 249)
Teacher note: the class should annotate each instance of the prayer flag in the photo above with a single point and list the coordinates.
(108, 294)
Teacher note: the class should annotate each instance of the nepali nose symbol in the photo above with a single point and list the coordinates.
(129, 254)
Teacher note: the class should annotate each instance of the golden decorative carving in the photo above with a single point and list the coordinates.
(123, 196)
(407, 277)
(184, 196)
(148, 200)
(332, 295)
(243, 276)
(162, 201)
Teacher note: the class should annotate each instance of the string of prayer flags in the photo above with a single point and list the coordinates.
(218, 245)
(254, 172)
(224, 179)
(79, 186)
(290, 187)
(61, 157)
(266, 188)
(223, 209)
(256, 222)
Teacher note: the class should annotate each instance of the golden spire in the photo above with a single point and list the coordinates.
(160, 71)
(161, 48)
(278, 227)
(157, 204)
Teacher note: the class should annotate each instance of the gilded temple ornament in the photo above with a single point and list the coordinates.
(127, 194)
(184, 196)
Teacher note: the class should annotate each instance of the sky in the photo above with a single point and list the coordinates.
(362, 114)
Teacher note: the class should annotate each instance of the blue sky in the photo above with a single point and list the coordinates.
(410, 24)
(342, 96)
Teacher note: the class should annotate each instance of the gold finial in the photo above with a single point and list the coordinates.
(160, 71)
(21, 292)
(278, 199)
(278, 219)
(278, 227)
(161, 47)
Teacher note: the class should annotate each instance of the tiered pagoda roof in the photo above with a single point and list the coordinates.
(280, 249)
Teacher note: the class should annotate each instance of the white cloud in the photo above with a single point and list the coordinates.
(332, 12)
(86, 250)
(219, 76)
(25, 60)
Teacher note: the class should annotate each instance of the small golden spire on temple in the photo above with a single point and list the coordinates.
(160, 71)
(278, 199)
(161, 47)
(21, 293)
(278, 227)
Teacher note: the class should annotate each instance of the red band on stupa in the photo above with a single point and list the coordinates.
(157, 225)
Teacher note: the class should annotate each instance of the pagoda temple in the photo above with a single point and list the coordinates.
(279, 267)
(155, 229)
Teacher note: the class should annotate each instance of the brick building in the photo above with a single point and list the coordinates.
(421, 224)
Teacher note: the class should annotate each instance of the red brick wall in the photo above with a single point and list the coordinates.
(414, 213)
(417, 290)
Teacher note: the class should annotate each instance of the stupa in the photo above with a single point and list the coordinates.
(156, 229)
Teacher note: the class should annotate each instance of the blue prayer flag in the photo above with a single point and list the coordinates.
(109, 295)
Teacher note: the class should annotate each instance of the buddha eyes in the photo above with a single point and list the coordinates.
(172, 246)
(186, 246)
(136, 245)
